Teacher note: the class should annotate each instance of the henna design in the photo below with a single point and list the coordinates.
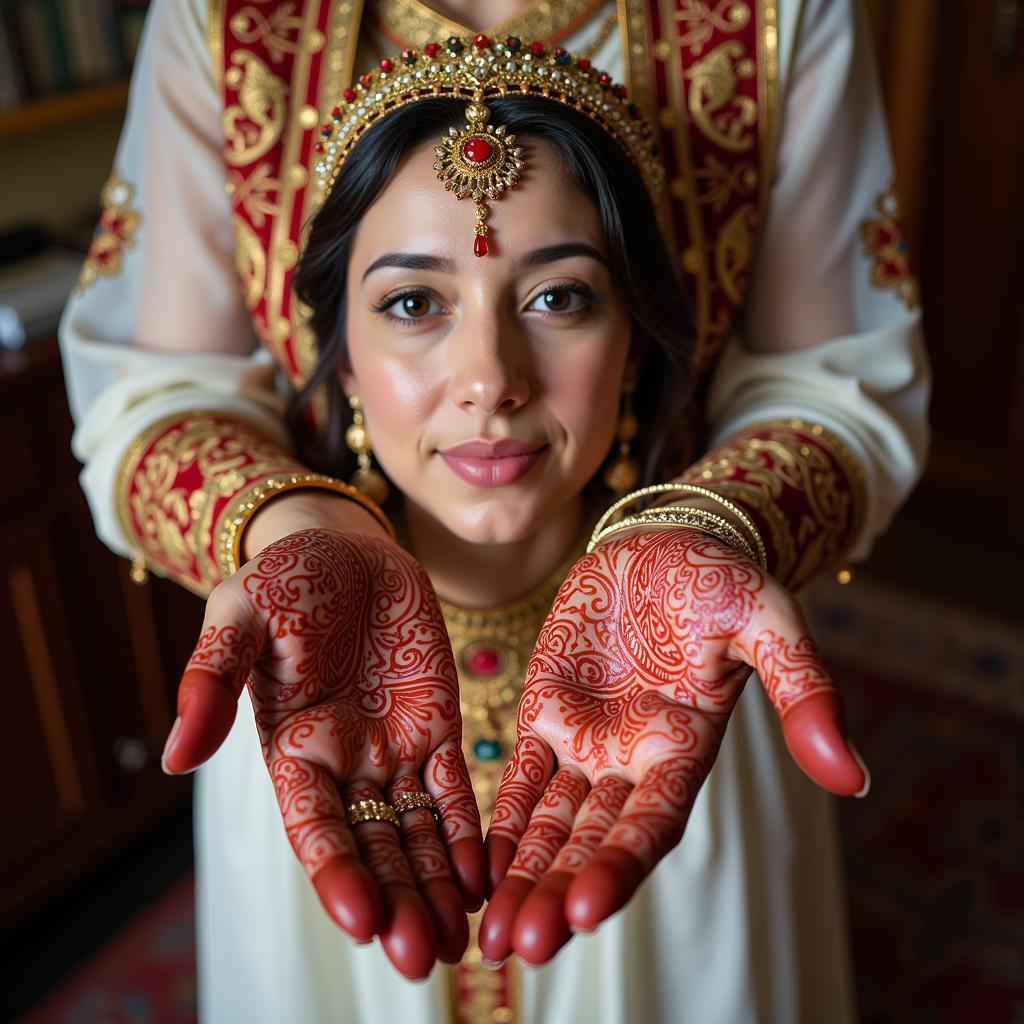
(791, 671)
(550, 824)
(632, 681)
(352, 678)
(596, 816)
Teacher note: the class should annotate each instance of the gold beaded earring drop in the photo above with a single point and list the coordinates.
(365, 479)
(623, 473)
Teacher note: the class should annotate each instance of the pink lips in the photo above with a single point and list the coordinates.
(492, 463)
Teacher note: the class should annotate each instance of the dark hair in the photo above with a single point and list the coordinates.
(660, 316)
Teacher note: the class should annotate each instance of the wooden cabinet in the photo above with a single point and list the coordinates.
(92, 661)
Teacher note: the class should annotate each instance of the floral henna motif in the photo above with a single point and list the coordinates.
(791, 671)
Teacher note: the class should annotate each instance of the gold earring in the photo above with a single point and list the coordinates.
(622, 473)
(365, 479)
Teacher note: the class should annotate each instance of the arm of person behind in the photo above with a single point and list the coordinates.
(817, 408)
(177, 412)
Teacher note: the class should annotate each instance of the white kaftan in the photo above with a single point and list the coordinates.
(744, 920)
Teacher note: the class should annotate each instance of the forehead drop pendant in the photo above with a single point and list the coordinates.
(479, 162)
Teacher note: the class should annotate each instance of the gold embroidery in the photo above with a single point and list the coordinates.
(782, 461)
(767, 95)
(719, 181)
(250, 262)
(253, 125)
(721, 114)
(733, 248)
(252, 193)
(115, 232)
(413, 23)
(886, 247)
(175, 525)
(702, 20)
(250, 26)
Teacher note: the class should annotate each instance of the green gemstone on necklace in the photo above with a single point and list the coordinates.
(487, 750)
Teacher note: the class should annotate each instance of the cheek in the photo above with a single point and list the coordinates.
(585, 392)
(399, 394)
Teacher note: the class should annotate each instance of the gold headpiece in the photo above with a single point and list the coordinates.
(480, 161)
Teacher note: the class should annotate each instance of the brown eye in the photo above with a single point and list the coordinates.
(557, 300)
(415, 306)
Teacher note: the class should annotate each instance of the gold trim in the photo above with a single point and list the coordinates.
(694, 260)
(767, 97)
(281, 232)
(413, 23)
(215, 42)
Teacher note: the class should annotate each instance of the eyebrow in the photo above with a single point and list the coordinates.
(534, 258)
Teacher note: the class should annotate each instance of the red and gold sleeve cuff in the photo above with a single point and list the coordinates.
(187, 486)
(801, 485)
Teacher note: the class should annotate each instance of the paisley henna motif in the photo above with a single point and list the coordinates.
(352, 680)
(634, 676)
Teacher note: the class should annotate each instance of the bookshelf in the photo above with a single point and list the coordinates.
(35, 116)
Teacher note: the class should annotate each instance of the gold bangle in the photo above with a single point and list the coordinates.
(371, 810)
(706, 492)
(682, 516)
(245, 505)
(405, 802)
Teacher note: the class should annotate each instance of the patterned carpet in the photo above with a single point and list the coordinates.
(935, 855)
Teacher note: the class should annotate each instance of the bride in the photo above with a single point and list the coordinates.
(508, 355)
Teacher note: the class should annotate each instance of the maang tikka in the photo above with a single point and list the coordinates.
(479, 162)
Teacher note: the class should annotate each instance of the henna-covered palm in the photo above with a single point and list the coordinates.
(342, 643)
(627, 696)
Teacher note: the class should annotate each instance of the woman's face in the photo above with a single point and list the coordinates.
(491, 386)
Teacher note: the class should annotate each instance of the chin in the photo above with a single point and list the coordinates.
(495, 526)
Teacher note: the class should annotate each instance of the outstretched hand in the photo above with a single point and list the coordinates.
(341, 640)
(627, 696)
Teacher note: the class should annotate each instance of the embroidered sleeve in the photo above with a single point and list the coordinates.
(178, 481)
(802, 487)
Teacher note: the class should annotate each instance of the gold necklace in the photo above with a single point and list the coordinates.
(492, 647)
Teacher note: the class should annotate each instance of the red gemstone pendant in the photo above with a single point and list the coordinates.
(477, 150)
(484, 661)
(480, 246)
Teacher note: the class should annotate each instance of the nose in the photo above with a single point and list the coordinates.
(488, 365)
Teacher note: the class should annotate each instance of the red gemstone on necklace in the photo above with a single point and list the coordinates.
(477, 150)
(484, 661)
(431, 49)
(481, 41)
(480, 246)
(385, 65)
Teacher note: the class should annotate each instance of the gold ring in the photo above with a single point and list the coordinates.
(371, 810)
(411, 801)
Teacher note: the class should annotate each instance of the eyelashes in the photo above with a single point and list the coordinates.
(587, 296)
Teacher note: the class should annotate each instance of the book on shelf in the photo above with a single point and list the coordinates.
(48, 46)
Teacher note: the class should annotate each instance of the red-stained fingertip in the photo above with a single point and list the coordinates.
(500, 854)
(408, 938)
(206, 712)
(450, 921)
(469, 866)
(815, 733)
(349, 895)
(540, 929)
(604, 886)
(499, 917)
